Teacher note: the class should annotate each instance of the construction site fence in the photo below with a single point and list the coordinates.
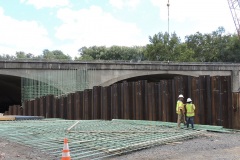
(143, 100)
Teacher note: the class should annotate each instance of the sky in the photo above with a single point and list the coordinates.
(31, 26)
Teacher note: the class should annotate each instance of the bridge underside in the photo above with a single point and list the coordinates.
(151, 78)
(10, 91)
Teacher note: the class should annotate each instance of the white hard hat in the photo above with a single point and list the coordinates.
(180, 96)
(189, 100)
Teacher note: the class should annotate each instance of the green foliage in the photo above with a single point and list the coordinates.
(165, 47)
(112, 53)
(212, 47)
(55, 54)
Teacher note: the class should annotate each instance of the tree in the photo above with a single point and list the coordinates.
(112, 53)
(21, 55)
(211, 47)
(55, 54)
(163, 47)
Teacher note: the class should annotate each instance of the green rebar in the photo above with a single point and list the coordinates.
(96, 139)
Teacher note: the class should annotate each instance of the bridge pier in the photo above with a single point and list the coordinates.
(235, 81)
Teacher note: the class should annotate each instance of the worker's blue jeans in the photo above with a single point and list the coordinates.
(190, 120)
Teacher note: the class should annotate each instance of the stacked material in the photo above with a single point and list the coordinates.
(94, 139)
(15, 118)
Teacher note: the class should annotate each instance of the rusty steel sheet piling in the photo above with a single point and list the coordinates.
(114, 100)
(171, 104)
(132, 100)
(139, 94)
(229, 106)
(96, 102)
(109, 108)
(202, 100)
(43, 106)
(179, 86)
(158, 102)
(65, 107)
(25, 108)
(70, 106)
(143, 100)
(106, 103)
(174, 101)
(30, 108)
(57, 102)
(81, 99)
(77, 103)
(151, 100)
(154, 109)
(15, 109)
(61, 107)
(216, 100)
(87, 105)
(36, 107)
(19, 110)
(144, 107)
(208, 100)
(10, 110)
(235, 110)
(164, 100)
(49, 106)
(125, 94)
(224, 101)
(119, 100)
(54, 107)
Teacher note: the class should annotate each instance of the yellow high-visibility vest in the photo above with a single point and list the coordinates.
(190, 110)
(179, 106)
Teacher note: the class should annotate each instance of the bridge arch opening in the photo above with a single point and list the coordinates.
(10, 91)
(137, 77)
(150, 78)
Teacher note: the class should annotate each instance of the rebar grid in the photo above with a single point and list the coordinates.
(93, 139)
(56, 82)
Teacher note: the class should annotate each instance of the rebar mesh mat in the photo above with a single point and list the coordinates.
(93, 139)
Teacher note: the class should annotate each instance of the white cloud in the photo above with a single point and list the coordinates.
(124, 3)
(93, 26)
(47, 3)
(27, 36)
(206, 15)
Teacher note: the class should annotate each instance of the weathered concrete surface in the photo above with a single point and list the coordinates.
(109, 72)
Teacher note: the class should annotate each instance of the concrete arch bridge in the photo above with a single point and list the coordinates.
(25, 79)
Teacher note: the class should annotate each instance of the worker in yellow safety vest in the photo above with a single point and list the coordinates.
(190, 107)
(180, 111)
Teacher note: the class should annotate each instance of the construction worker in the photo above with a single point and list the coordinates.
(180, 111)
(190, 107)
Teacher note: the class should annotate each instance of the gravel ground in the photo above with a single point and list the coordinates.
(14, 151)
(211, 146)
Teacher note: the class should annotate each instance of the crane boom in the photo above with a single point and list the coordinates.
(234, 6)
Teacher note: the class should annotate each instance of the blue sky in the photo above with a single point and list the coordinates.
(67, 25)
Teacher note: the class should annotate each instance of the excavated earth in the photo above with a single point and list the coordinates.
(209, 146)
